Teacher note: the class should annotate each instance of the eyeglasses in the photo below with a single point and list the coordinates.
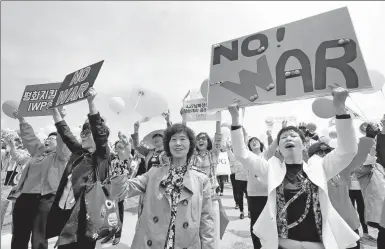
(202, 138)
(49, 139)
(85, 133)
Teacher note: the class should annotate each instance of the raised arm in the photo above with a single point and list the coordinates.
(30, 141)
(135, 140)
(20, 157)
(334, 162)
(218, 137)
(256, 164)
(206, 228)
(99, 129)
(62, 151)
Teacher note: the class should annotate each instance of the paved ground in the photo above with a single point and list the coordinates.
(237, 235)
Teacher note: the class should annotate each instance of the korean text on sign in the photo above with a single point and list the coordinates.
(37, 99)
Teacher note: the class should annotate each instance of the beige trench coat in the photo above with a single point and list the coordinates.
(194, 221)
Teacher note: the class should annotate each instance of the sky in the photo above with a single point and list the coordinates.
(163, 47)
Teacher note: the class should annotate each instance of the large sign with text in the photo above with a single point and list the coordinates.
(294, 61)
(196, 110)
(76, 85)
(37, 99)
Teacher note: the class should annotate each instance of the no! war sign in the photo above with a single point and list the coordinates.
(76, 85)
(294, 61)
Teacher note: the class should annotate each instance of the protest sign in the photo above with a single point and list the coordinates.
(37, 99)
(196, 110)
(294, 61)
(76, 85)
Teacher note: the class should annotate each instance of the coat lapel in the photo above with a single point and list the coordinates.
(187, 191)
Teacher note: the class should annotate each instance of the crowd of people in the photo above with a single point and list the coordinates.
(301, 190)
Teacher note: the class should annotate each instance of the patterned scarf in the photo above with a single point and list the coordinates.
(174, 185)
(305, 187)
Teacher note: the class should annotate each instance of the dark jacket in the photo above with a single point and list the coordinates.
(380, 148)
(82, 166)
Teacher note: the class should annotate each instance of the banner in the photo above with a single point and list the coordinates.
(76, 85)
(37, 99)
(196, 110)
(294, 61)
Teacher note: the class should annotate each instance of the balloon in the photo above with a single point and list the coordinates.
(149, 104)
(117, 104)
(311, 126)
(205, 88)
(9, 107)
(377, 79)
(323, 108)
(333, 143)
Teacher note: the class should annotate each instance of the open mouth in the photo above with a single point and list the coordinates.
(289, 145)
(201, 144)
(178, 149)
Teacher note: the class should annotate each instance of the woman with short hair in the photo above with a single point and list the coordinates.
(298, 213)
(177, 210)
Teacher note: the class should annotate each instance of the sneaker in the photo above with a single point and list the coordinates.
(236, 206)
(242, 216)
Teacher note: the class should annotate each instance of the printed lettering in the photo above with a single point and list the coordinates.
(341, 63)
(305, 72)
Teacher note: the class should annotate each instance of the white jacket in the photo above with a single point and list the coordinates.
(336, 234)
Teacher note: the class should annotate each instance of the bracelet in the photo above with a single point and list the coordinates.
(343, 116)
(236, 127)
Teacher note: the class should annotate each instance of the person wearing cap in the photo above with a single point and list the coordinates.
(67, 217)
(298, 212)
(338, 186)
(37, 186)
(155, 156)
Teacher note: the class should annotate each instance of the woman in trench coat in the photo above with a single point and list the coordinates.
(177, 211)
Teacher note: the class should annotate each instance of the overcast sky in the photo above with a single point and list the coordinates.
(163, 46)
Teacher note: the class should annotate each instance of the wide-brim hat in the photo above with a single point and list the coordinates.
(148, 138)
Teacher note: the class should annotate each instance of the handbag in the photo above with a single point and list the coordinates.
(102, 211)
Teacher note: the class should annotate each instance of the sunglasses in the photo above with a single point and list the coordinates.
(202, 138)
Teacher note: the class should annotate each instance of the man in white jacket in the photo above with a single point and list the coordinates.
(313, 222)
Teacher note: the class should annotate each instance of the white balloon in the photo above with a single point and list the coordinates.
(117, 104)
(333, 143)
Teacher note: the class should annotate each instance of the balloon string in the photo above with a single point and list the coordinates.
(358, 108)
(137, 102)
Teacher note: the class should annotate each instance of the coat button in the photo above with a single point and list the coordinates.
(185, 202)
(185, 225)
(149, 242)
(155, 219)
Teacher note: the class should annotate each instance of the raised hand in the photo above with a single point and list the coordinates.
(166, 115)
(17, 116)
(268, 133)
(234, 112)
(136, 126)
(372, 130)
(91, 94)
(340, 95)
